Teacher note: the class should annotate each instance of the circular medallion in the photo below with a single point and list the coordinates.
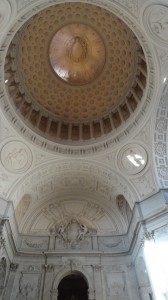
(16, 157)
(156, 21)
(132, 159)
(77, 53)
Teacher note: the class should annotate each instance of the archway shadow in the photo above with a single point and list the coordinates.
(73, 287)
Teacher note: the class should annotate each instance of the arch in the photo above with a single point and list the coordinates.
(22, 208)
(69, 268)
(124, 208)
(73, 286)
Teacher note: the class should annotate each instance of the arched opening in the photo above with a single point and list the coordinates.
(124, 208)
(73, 287)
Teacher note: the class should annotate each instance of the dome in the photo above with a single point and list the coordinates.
(75, 72)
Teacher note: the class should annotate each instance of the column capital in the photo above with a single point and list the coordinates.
(13, 267)
(148, 236)
(97, 267)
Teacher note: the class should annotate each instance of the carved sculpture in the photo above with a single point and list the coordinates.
(72, 232)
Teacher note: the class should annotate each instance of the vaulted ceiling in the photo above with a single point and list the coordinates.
(83, 111)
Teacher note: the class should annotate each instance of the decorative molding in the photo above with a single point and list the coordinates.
(97, 267)
(34, 245)
(22, 3)
(31, 269)
(73, 175)
(4, 183)
(160, 139)
(113, 268)
(163, 59)
(130, 5)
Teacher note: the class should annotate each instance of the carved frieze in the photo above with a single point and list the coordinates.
(160, 139)
(35, 244)
(31, 269)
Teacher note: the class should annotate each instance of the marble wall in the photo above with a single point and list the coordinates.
(31, 267)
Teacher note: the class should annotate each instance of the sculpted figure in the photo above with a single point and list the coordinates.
(83, 231)
(61, 232)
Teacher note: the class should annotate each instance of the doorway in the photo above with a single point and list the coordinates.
(73, 287)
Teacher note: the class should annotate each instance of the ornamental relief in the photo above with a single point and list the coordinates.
(29, 286)
(16, 157)
(160, 139)
(70, 175)
(116, 285)
(156, 22)
(145, 184)
(53, 215)
(72, 233)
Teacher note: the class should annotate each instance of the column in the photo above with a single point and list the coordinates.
(98, 282)
(48, 281)
(12, 275)
(131, 282)
(54, 294)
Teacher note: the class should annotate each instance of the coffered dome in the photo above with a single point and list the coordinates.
(75, 72)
